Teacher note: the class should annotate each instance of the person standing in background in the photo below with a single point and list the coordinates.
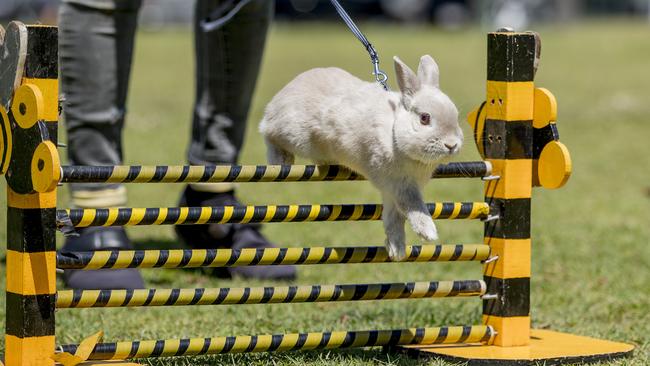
(96, 41)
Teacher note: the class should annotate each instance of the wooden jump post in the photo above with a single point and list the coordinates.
(516, 135)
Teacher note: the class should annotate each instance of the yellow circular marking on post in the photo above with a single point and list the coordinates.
(545, 109)
(5, 141)
(27, 105)
(554, 167)
(476, 120)
(46, 167)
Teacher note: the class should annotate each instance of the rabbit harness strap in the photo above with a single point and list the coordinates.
(380, 76)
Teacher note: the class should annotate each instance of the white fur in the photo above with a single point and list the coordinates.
(332, 117)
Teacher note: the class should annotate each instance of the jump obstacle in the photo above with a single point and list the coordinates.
(515, 132)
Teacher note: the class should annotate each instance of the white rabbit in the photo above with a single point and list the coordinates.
(394, 139)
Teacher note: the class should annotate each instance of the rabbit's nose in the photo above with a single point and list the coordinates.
(451, 147)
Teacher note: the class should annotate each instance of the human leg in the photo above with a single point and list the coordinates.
(96, 45)
(227, 65)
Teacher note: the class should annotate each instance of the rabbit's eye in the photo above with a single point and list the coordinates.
(425, 119)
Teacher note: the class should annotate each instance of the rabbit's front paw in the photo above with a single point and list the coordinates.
(423, 225)
(396, 251)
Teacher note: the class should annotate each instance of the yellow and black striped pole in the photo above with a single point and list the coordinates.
(258, 214)
(244, 173)
(287, 342)
(507, 142)
(195, 258)
(32, 175)
(67, 299)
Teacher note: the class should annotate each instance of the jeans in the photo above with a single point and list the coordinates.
(96, 42)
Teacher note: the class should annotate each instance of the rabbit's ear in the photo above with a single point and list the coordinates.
(408, 82)
(428, 71)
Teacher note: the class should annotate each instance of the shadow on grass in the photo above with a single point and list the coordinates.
(373, 356)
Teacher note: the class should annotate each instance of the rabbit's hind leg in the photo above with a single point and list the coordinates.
(278, 156)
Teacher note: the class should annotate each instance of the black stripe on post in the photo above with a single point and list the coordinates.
(433, 287)
(371, 254)
(210, 256)
(508, 140)
(281, 255)
(127, 297)
(304, 254)
(437, 251)
(206, 346)
(133, 173)
(184, 173)
(112, 258)
(252, 344)
(302, 339)
(159, 174)
(461, 170)
(458, 250)
(332, 172)
(511, 58)
(42, 58)
(183, 345)
(208, 171)
(163, 256)
(234, 172)
(198, 294)
(487, 335)
(284, 172)
(419, 336)
(229, 344)
(276, 341)
(29, 224)
(280, 214)
(467, 331)
(442, 335)
(260, 170)
(514, 218)
(223, 293)
(158, 348)
(373, 336)
(542, 136)
(325, 340)
(512, 297)
(348, 340)
(30, 315)
(395, 335)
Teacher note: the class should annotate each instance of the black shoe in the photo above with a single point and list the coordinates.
(232, 236)
(101, 238)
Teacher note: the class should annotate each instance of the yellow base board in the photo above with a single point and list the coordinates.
(547, 347)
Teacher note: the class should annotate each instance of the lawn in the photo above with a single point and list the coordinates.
(591, 258)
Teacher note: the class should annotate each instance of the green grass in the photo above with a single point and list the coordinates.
(591, 258)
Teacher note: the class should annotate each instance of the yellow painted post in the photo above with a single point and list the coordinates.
(507, 143)
(32, 173)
